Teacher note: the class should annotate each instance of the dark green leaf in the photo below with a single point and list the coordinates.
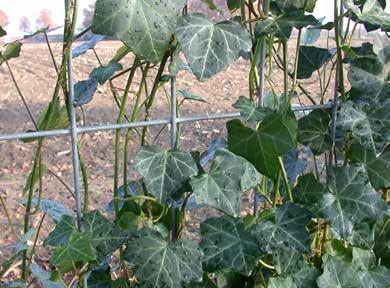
(308, 192)
(249, 112)
(287, 231)
(379, 170)
(84, 91)
(103, 73)
(338, 274)
(281, 283)
(275, 136)
(61, 233)
(313, 131)
(161, 264)
(292, 264)
(210, 48)
(350, 200)
(145, 26)
(2, 32)
(164, 172)
(233, 4)
(311, 59)
(221, 187)
(12, 50)
(78, 248)
(296, 4)
(104, 235)
(227, 245)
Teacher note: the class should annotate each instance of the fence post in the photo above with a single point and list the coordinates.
(173, 146)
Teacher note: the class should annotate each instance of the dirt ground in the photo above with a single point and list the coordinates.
(36, 76)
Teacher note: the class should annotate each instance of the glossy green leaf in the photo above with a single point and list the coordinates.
(104, 73)
(296, 4)
(311, 59)
(282, 25)
(233, 4)
(145, 26)
(158, 263)
(281, 283)
(61, 233)
(78, 248)
(293, 265)
(227, 245)
(275, 136)
(164, 172)
(372, 13)
(338, 274)
(379, 170)
(12, 50)
(350, 200)
(84, 91)
(308, 192)
(222, 186)
(210, 48)
(370, 128)
(249, 112)
(314, 131)
(104, 235)
(287, 231)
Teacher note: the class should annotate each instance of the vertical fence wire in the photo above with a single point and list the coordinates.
(336, 91)
(74, 132)
(173, 146)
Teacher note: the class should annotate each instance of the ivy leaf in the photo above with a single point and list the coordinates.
(12, 50)
(190, 96)
(311, 59)
(227, 245)
(45, 278)
(62, 232)
(164, 172)
(78, 248)
(233, 4)
(379, 170)
(308, 192)
(84, 91)
(281, 283)
(371, 128)
(292, 264)
(294, 166)
(210, 48)
(103, 73)
(90, 44)
(282, 26)
(145, 26)
(313, 131)
(338, 273)
(2, 32)
(54, 209)
(249, 112)
(221, 187)
(158, 263)
(296, 4)
(287, 231)
(350, 200)
(104, 235)
(275, 136)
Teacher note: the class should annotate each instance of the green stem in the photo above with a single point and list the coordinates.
(277, 188)
(339, 50)
(285, 179)
(122, 111)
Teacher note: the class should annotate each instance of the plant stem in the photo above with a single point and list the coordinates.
(117, 134)
(285, 179)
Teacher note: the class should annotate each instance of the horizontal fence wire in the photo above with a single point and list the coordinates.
(157, 122)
